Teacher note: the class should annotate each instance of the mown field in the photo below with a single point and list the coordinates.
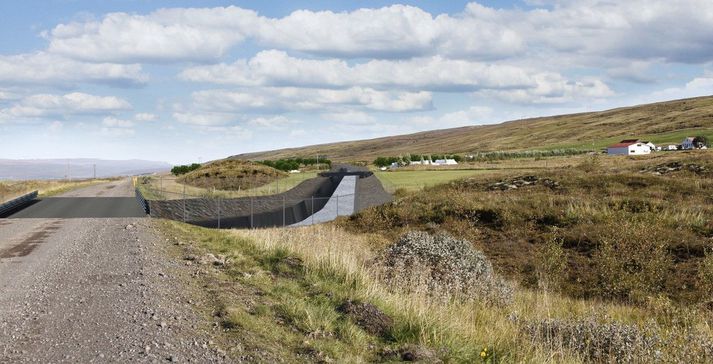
(594, 259)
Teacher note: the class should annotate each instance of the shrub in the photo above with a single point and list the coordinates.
(183, 169)
(445, 267)
(551, 262)
(632, 262)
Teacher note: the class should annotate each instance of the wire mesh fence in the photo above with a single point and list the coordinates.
(170, 187)
(254, 211)
(247, 201)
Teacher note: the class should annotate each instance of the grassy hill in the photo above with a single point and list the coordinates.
(230, 175)
(664, 122)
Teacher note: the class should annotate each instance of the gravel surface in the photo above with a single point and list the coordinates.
(96, 290)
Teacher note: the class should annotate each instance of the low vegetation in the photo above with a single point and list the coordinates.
(626, 233)
(231, 175)
(290, 164)
(183, 169)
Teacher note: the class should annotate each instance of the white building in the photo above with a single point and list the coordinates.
(445, 162)
(629, 147)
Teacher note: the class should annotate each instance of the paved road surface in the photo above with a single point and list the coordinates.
(94, 290)
(116, 200)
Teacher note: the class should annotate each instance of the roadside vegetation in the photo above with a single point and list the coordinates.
(183, 169)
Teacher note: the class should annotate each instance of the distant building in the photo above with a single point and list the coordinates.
(688, 143)
(418, 163)
(445, 162)
(629, 147)
(650, 145)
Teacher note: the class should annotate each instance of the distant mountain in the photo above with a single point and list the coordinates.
(663, 122)
(20, 169)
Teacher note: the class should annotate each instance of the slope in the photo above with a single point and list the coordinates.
(663, 122)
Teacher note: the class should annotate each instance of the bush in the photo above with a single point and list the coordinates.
(290, 164)
(183, 169)
(632, 262)
(443, 266)
(551, 262)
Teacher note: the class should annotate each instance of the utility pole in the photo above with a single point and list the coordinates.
(95, 170)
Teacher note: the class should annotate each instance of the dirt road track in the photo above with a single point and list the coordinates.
(94, 290)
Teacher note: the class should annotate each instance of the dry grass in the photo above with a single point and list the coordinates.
(666, 122)
(457, 330)
(46, 188)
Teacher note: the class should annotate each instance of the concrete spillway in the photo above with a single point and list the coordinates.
(340, 204)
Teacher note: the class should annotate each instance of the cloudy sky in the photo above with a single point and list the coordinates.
(181, 81)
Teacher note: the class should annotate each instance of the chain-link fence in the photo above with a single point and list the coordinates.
(172, 188)
(248, 201)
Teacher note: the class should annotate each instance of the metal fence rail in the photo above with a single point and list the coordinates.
(142, 201)
(17, 203)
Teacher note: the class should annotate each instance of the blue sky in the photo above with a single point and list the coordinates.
(183, 81)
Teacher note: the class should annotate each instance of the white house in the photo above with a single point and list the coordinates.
(629, 147)
(671, 147)
(418, 163)
(650, 145)
(445, 162)
(687, 143)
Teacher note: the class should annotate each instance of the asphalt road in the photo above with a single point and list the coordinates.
(95, 290)
(102, 201)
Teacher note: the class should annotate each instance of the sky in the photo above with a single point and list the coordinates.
(187, 81)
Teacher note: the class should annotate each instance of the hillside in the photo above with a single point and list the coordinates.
(231, 175)
(660, 122)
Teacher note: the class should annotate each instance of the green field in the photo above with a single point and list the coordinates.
(415, 180)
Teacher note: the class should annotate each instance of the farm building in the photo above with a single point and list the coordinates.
(629, 147)
(445, 162)
(688, 143)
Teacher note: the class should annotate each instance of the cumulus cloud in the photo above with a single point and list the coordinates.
(553, 89)
(76, 103)
(166, 35)
(45, 68)
(636, 30)
(283, 99)
(277, 68)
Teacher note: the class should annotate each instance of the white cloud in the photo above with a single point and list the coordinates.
(45, 68)
(277, 122)
(552, 89)
(675, 31)
(166, 35)
(475, 115)
(113, 122)
(204, 118)
(76, 103)
(350, 117)
(276, 100)
(145, 117)
(277, 68)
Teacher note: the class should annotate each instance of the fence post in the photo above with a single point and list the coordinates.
(184, 203)
(251, 213)
(337, 207)
(219, 212)
(283, 211)
(312, 209)
(161, 185)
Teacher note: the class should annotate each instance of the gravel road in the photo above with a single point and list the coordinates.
(95, 290)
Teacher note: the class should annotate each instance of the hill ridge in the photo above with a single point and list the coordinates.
(660, 121)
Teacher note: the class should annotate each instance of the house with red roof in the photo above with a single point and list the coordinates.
(630, 147)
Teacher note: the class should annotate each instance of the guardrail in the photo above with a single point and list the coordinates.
(142, 201)
(17, 203)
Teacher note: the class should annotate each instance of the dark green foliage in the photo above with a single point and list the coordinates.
(386, 161)
(701, 141)
(294, 163)
(183, 169)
